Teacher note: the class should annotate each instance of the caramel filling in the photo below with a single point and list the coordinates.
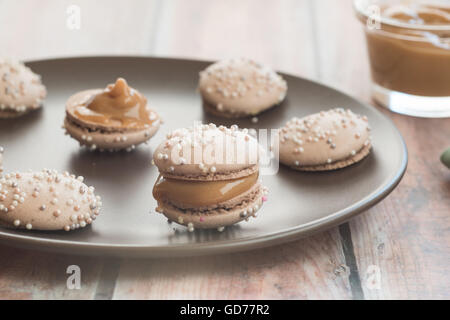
(419, 14)
(194, 194)
(412, 61)
(117, 106)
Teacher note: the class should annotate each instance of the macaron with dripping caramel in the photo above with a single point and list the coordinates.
(209, 177)
(115, 118)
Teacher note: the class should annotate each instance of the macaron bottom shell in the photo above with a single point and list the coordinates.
(11, 113)
(217, 218)
(112, 141)
(340, 164)
(212, 109)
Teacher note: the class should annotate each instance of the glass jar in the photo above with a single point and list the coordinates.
(409, 52)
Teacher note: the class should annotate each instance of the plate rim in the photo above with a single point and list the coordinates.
(225, 246)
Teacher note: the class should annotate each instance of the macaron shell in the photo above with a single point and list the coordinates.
(11, 114)
(46, 201)
(361, 154)
(215, 218)
(21, 90)
(241, 87)
(208, 176)
(185, 154)
(212, 109)
(324, 140)
(109, 140)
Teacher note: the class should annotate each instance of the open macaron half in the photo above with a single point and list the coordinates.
(209, 177)
(237, 88)
(325, 141)
(115, 118)
(21, 90)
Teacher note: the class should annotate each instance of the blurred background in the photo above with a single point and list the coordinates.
(406, 235)
(305, 37)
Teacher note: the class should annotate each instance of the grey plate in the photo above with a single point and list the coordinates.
(299, 203)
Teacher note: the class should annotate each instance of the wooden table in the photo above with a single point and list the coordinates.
(405, 237)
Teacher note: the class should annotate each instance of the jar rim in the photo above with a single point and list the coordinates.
(362, 8)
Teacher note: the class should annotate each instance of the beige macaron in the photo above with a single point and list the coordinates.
(21, 90)
(46, 200)
(238, 88)
(324, 141)
(209, 177)
(115, 118)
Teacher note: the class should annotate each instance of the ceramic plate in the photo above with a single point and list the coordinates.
(299, 203)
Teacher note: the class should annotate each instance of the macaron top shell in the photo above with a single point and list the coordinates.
(20, 88)
(207, 152)
(46, 200)
(241, 86)
(322, 138)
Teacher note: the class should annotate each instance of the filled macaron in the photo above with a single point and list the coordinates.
(323, 141)
(238, 88)
(21, 90)
(46, 200)
(209, 177)
(113, 119)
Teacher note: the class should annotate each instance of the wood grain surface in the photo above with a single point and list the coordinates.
(405, 238)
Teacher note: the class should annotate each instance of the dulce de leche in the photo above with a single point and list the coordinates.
(118, 106)
(410, 50)
(195, 194)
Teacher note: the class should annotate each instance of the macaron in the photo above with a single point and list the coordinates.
(324, 141)
(209, 177)
(238, 88)
(115, 118)
(46, 200)
(21, 90)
